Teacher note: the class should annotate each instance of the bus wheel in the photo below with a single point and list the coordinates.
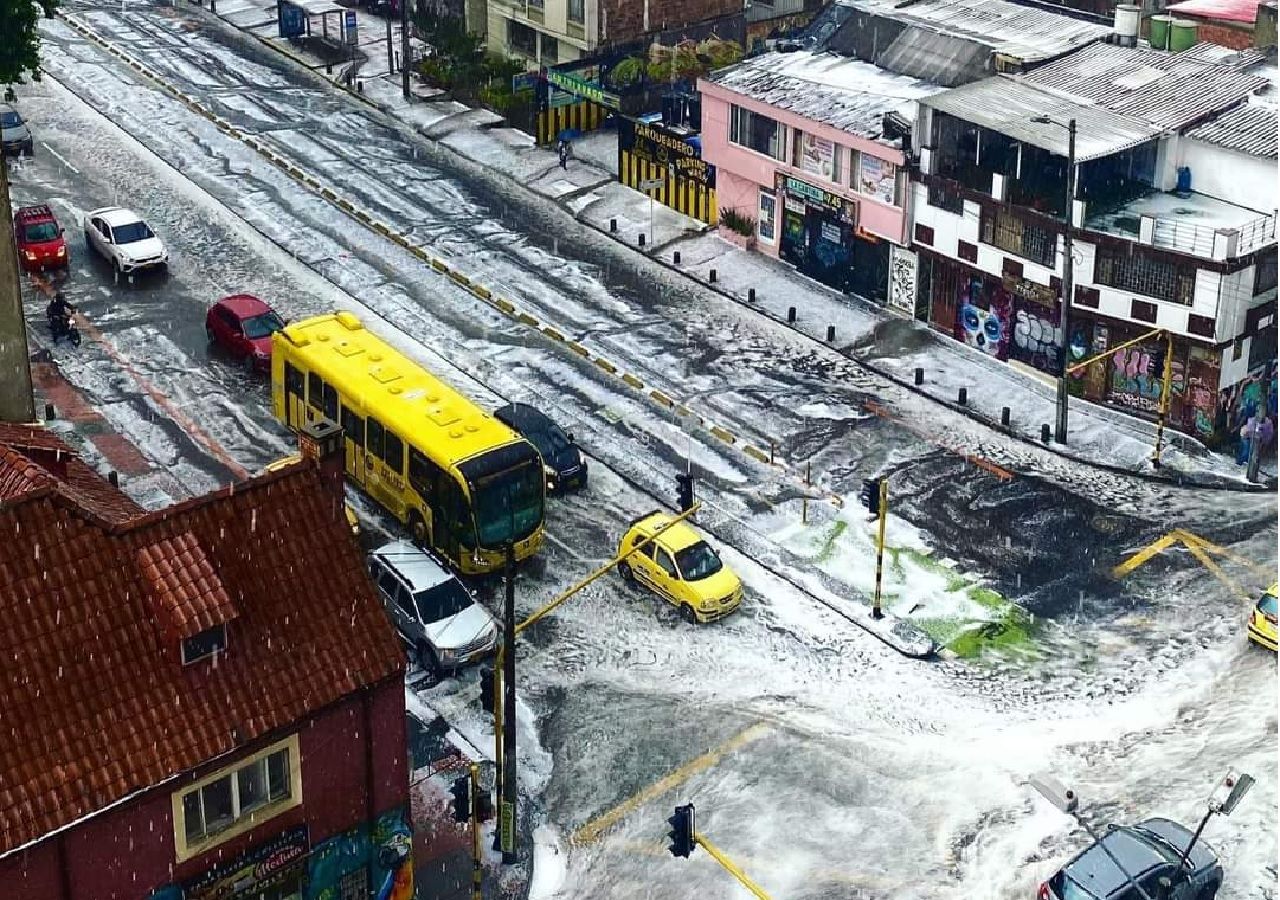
(625, 571)
(418, 528)
(689, 615)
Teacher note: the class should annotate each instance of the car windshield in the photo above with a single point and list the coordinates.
(10, 120)
(442, 601)
(698, 561)
(508, 506)
(1067, 889)
(262, 326)
(1268, 604)
(557, 439)
(39, 234)
(131, 233)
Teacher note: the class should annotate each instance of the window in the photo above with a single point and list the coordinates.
(666, 564)
(353, 425)
(1264, 273)
(315, 391)
(878, 178)
(206, 643)
(1143, 311)
(698, 561)
(1009, 232)
(422, 472)
(767, 220)
(1146, 274)
(237, 798)
(331, 403)
(756, 132)
(293, 382)
(578, 11)
(404, 600)
(944, 197)
(816, 156)
(393, 452)
(1202, 326)
(550, 50)
(924, 234)
(373, 437)
(968, 252)
(522, 39)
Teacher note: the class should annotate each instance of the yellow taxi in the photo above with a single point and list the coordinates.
(1262, 621)
(286, 461)
(680, 567)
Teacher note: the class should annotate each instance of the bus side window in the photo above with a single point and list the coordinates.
(353, 425)
(315, 390)
(330, 402)
(373, 437)
(293, 381)
(393, 452)
(422, 473)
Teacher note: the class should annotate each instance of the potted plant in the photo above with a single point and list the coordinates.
(737, 229)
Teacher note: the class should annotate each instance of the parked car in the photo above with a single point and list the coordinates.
(1262, 621)
(283, 462)
(562, 459)
(121, 237)
(443, 625)
(242, 325)
(15, 137)
(39, 237)
(681, 567)
(1149, 852)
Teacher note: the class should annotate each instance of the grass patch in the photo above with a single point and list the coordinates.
(828, 548)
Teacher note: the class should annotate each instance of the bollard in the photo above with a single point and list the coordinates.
(48, 411)
(791, 313)
(1044, 432)
(1004, 416)
(613, 226)
(114, 478)
(677, 257)
(642, 239)
(963, 399)
(831, 332)
(919, 377)
(360, 86)
(751, 295)
(712, 276)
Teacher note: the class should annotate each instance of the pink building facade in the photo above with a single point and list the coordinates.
(820, 192)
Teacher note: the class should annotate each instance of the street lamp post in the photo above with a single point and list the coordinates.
(1068, 280)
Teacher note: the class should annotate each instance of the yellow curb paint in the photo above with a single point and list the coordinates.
(662, 398)
(459, 277)
(606, 365)
(552, 333)
(526, 319)
(579, 349)
(505, 305)
(633, 381)
(439, 265)
(481, 291)
(723, 434)
(756, 453)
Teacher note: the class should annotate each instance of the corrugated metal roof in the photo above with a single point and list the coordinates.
(1249, 128)
(844, 93)
(1008, 105)
(1024, 32)
(912, 50)
(1167, 90)
(1224, 10)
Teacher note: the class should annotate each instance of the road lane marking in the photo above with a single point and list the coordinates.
(59, 157)
(1197, 547)
(598, 826)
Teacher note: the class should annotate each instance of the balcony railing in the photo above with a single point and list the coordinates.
(1256, 235)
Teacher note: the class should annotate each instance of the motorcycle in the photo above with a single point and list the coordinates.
(62, 326)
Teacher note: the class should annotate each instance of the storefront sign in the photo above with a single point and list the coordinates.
(583, 88)
(817, 156)
(255, 868)
(766, 223)
(877, 178)
(807, 194)
(902, 280)
(291, 19)
(1029, 290)
(657, 145)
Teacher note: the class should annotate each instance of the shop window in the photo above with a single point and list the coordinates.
(767, 220)
(237, 798)
(1264, 273)
(1145, 274)
(878, 178)
(817, 156)
(206, 643)
(756, 132)
(1002, 229)
(1143, 311)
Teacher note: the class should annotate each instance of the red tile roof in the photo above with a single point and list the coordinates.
(34, 459)
(97, 703)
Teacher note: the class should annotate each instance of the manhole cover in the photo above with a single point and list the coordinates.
(1104, 524)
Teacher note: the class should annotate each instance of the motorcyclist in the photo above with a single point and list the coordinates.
(59, 312)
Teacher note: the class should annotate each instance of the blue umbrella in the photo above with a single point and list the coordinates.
(569, 134)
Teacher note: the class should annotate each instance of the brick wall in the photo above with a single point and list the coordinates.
(623, 20)
(1237, 37)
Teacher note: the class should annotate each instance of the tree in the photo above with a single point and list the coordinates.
(20, 49)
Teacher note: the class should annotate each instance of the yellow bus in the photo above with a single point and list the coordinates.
(463, 482)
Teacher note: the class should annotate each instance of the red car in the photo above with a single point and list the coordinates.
(242, 325)
(40, 241)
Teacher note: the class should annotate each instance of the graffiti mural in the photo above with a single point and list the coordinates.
(1136, 384)
(902, 281)
(391, 856)
(984, 318)
(1037, 339)
(373, 860)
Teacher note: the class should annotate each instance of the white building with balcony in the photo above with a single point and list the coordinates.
(1173, 220)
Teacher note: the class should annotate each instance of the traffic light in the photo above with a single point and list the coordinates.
(684, 488)
(681, 832)
(487, 690)
(869, 496)
(484, 806)
(461, 791)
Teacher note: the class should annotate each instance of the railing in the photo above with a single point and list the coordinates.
(1256, 235)
(1186, 237)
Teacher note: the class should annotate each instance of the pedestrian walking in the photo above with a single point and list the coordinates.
(1249, 432)
(564, 148)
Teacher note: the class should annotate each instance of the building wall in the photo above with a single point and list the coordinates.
(128, 852)
(571, 40)
(626, 20)
(741, 172)
(1225, 34)
(1238, 178)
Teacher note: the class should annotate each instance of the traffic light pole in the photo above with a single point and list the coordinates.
(507, 809)
(876, 611)
(477, 867)
(1166, 384)
(728, 865)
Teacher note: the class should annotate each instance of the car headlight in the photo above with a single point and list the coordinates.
(30, 255)
(62, 251)
(448, 656)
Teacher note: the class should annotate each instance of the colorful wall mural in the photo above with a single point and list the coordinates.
(984, 317)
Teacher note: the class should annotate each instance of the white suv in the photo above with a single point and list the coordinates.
(434, 613)
(126, 241)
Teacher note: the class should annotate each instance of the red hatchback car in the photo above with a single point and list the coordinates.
(40, 241)
(242, 325)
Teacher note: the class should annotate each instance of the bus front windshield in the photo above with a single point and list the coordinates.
(508, 505)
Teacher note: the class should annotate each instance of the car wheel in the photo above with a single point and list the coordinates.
(247, 364)
(1210, 891)
(428, 662)
(209, 335)
(115, 270)
(624, 569)
(688, 614)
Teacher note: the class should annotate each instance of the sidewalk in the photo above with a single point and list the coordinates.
(876, 339)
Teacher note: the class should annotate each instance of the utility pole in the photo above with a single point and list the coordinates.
(405, 59)
(876, 611)
(17, 403)
(391, 53)
(507, 811)
(1068, 284)
(477, 858)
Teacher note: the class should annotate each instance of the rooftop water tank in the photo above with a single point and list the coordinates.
(1182, 35)
(1128, 18)
(1160, 32)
